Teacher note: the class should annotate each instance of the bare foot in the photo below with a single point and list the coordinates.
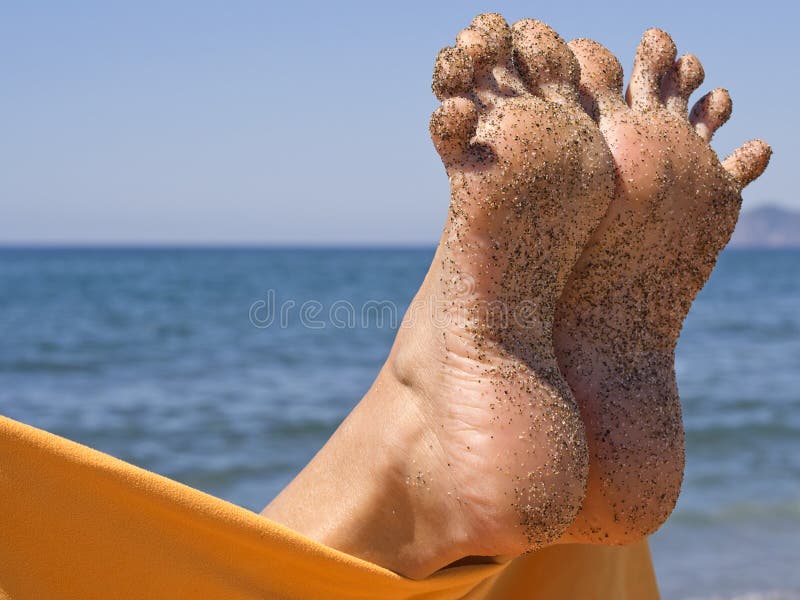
(475, 418)
(618, 321)
(530, 178)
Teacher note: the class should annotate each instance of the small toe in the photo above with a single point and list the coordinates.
(452, 126)
(543, 59)
(683, 78)
(654, 56)
(600, 85)
(452, 73)
(748, 162)
(487, 41)
(711, 112)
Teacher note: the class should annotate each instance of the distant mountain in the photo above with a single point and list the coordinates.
(767, 227)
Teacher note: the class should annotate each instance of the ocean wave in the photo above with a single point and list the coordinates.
(698, 432)
(741, 512)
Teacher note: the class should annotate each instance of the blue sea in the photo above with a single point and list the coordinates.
(227, 369)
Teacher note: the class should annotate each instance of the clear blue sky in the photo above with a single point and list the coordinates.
(297, 122)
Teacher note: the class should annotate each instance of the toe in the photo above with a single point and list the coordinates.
(600, 85)
(452, 126)
(711, 112)
(452, 73)
(654, 56)
(544, 60)
(748, 162)
(684, 77)
(487, 41)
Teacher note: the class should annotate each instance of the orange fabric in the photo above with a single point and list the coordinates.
(79, 524)
(575, 572)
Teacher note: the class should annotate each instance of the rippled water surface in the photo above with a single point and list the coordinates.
(228, 369)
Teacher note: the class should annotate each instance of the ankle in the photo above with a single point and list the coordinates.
(384, 506)
(406, 483)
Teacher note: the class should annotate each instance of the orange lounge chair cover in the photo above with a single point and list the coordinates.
(78, 524)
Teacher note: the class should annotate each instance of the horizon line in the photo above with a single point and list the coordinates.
(200, 245)
(223, 246)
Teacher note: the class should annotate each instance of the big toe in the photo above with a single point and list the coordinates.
(654, 56)
(544, 60)
(601, 77)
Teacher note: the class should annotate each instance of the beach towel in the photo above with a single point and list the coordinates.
(78, 524)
